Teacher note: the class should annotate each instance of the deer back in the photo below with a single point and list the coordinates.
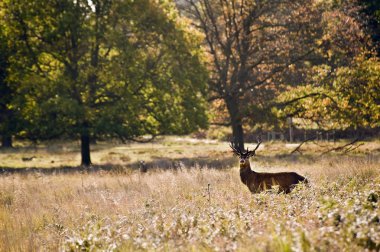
(285, 181)
(257, 182)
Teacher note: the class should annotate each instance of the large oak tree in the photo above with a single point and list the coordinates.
(253, 48)
(105, 68)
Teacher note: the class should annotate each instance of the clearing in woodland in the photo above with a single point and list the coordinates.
(191, 198)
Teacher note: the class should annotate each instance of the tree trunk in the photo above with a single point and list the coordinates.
(6, 141)
(238, 133)
(236, 122)
(85, 149)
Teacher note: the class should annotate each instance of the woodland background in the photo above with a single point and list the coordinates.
(116, 118)
(134, 70)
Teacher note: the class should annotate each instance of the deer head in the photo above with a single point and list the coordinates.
(244, 155)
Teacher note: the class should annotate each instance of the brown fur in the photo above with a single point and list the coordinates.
(258, 182)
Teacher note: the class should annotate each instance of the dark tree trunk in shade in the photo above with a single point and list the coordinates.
(85, 149)
(236, 122)
(238, 134)
(86, 141)
(6, 141)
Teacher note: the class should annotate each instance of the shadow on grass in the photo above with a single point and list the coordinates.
(198, 162)
(161, 163)
(287, 158)
(60, 170)
(157, 164)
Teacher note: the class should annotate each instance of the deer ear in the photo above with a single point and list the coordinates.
(252, 153)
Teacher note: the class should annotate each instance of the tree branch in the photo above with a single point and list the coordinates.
(297, 149)
(284, 104)
(346, 147)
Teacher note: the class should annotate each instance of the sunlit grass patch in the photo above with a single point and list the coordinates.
(193, 208)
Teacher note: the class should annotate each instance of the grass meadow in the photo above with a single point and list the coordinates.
(191, 199)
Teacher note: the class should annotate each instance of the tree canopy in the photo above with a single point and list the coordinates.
(9, 116)
(105, 68)
(275, 59)
(253, 49)
(342, 90)
(97, 69)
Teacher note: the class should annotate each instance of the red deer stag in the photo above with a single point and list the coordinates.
(258, 182)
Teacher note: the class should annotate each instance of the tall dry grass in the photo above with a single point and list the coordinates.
(194, 209)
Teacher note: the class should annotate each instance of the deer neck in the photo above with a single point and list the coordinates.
(246, 172)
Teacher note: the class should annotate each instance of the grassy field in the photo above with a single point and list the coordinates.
(200, 206)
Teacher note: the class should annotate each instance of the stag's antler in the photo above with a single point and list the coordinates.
(235, 150)
(252, 153)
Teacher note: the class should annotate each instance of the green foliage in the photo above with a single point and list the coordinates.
(342, 88)
(9, 118)
(4, 87)
(111, 68)
(347, 97)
